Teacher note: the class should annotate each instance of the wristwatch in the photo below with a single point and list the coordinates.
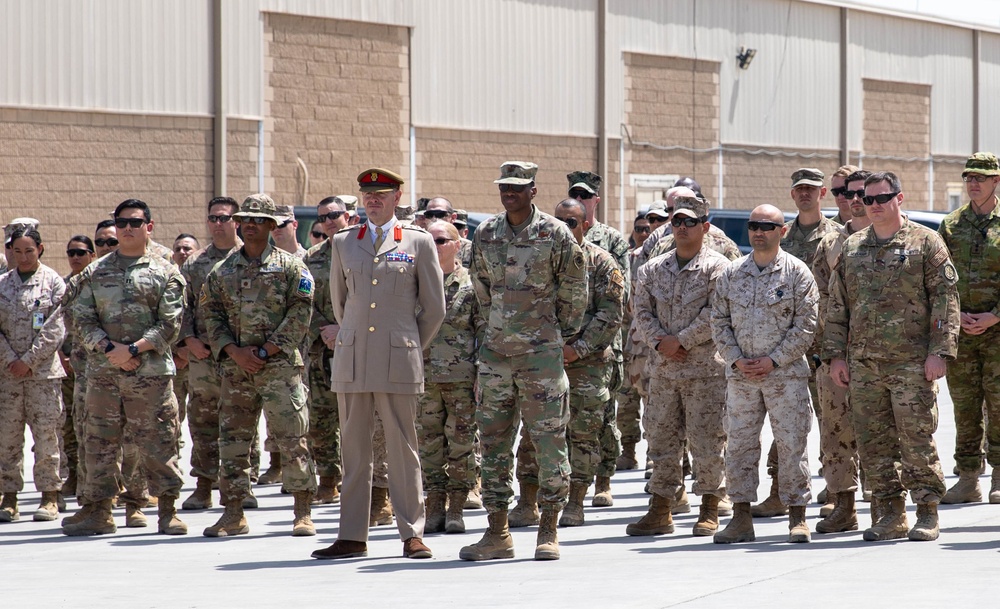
(134, 350)
(262, 353)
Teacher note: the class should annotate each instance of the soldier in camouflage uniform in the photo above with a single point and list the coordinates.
(203, 375)
(972, 234)
(837, 440)
(763, 321)
(530, 277)
(892, 325)
(588, 358)
(128, 314)
(461, 222)
(257, 304)
(31, 329)
(687, 389)
(446, 423)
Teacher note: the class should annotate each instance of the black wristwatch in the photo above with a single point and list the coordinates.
(262, 353)
(134, 350)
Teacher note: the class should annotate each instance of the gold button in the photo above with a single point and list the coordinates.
(374, 281)
(371, 328)
(373, 305)
(376, 259)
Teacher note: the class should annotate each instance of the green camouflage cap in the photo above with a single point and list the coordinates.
(284, 213)
(692, 207)
(517, 172)
(258, 206)
(461, 217)
(591, 182)
(983, 163)
(808, 175)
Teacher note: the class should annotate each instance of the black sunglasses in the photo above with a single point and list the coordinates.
(754, 225)
(76, 253)
(110, 242)
(253, 220)
(436, 214)
(657, 219)
(442, 240)
(641, 229)
(881, 199)
(686, 221)
(130, 222)
(222, 219)
(510, 188)
(850, 195)
(581, 194)
(284, 224)
(318, 235)
(570, 222)
(333, 215)
(839, 191)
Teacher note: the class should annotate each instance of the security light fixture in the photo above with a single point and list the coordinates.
(745, 56)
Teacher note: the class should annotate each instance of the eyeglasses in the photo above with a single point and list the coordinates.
(130, 222)
(686, 221)
(333, 215)
(510, 188)
(850, 195)
(839, 191)
(640, 229)
(110, 242)
(436, 214)
(442, 240)
(754, 225)
(581, 194)
(975, 177)
(77, 253)
(222, 219)
(284, 224)
(318, 235)
(570, 222)
(656, 219)
(253, 220)
(880, 199)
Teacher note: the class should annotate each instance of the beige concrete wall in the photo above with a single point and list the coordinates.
(755, 179)
(336, 96)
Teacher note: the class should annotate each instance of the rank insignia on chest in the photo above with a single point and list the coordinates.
(398, 257)
(244, 284)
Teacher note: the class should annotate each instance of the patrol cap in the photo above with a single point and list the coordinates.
(378, 180)
(16, 224)
(517, 172)
(809, 176)
(258, 206)
(284, 213)
(461, 218)
(659, 209)
(350, 202)
(591, 182)
(692, 207)
(983, 163)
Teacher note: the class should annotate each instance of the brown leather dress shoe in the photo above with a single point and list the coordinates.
(414, 548)
(343, 548)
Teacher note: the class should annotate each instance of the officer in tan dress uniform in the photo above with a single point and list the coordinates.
(381, 274)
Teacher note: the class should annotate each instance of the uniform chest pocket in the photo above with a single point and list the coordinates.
(403, 277)
(697, 293)
(780, 302)
(523, 257)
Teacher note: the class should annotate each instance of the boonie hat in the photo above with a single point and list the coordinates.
(258, 206)
(982, 163)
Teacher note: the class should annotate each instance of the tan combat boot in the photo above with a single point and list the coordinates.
(98, 520)
(966, 490)
(602, 493)
(381, 510)
(995, 486)
(167, 522)
(656, 521)
(434, 511)
(201, 498)
(926, 528)
(772, 506)
(681, 505)
(303, 525)
(232, 522)
(725, 506)
(83, 512)
(8, 507)
(327, 492)
(134, 518)
(525, 513)
(828, 501)
(626, 460)
(798, 530)
(892, 521)
(496, 541)
(708, 517)
(572, 515)
(474, 500)
(273, 473)
(740, 527)
(454, 521)
(547, 543)
(844, 516)
(48, 509)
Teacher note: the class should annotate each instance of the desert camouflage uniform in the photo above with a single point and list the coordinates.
(974, 377)
(143, 300)
(446, 422)
(31, 329)
(837, 440)
(590, 376)
(767, 313)
(203, 375)
(715, 239)
(250, 303)
(891, 305)
(687, 400)
(532, 292)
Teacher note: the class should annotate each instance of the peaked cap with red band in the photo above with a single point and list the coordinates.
(378, 180)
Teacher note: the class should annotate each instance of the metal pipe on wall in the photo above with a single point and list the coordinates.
(976, 58)
(219, 156)
(602, 132)
(845, 154)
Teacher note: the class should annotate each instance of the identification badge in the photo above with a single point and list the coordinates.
(37, 320)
